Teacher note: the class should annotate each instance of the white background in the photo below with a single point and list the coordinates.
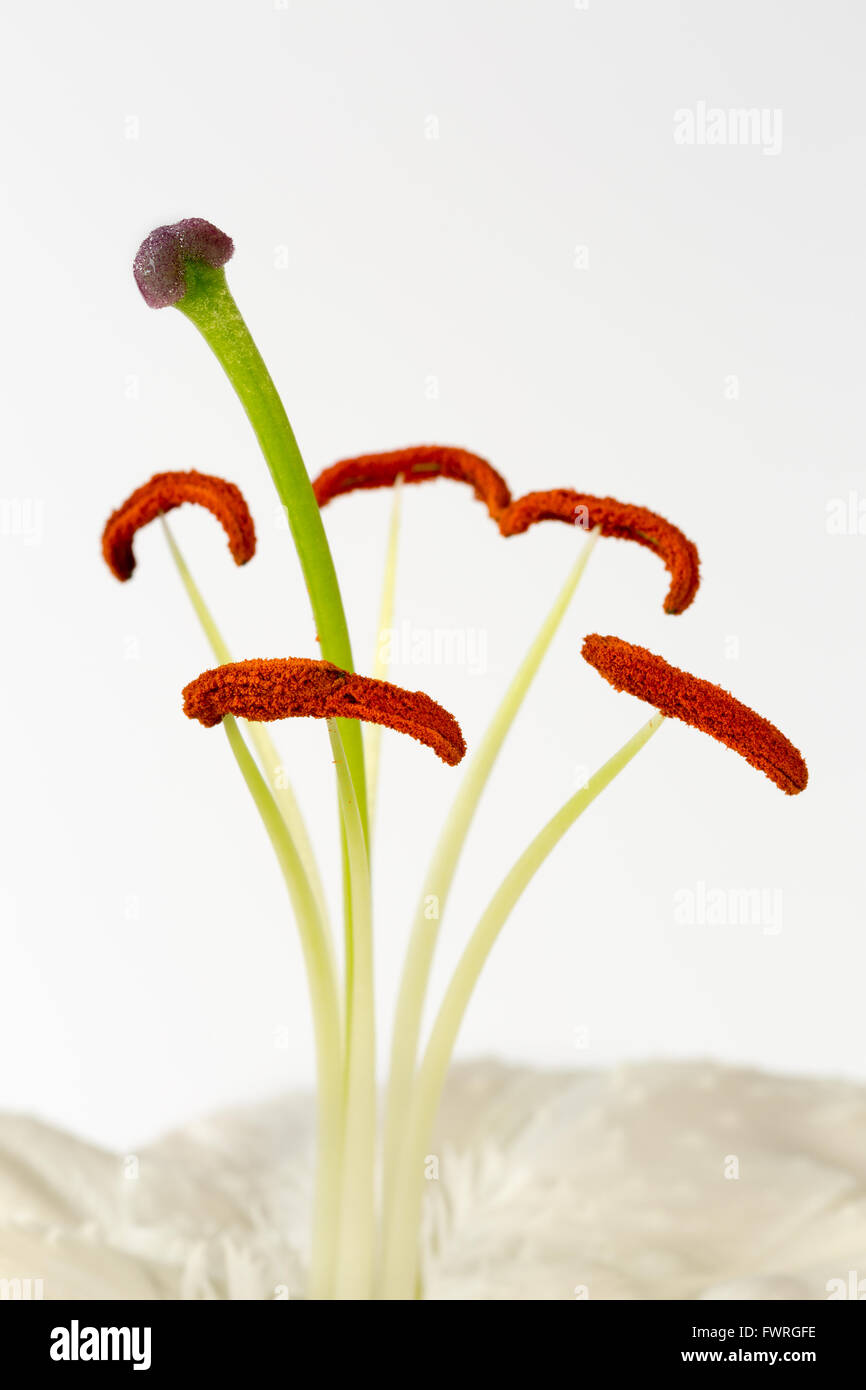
(409, 187)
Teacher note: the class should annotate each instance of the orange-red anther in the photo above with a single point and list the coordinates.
(619, 519)
(163, 493)
(700, 703)
(416, 465)
(283, 687)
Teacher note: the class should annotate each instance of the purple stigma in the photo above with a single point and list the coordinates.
(160, 263)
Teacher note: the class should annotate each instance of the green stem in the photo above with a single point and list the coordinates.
(324, 1000)
(372, 733)
(356, 1241)
(401, 1252)
(268, 756)
(208, 303)
(414, 982)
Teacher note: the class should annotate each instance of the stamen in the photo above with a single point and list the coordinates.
(286, 687)
(162, 494)
(417, 465)
(160, 262)
(700, 703)
(619, 519)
